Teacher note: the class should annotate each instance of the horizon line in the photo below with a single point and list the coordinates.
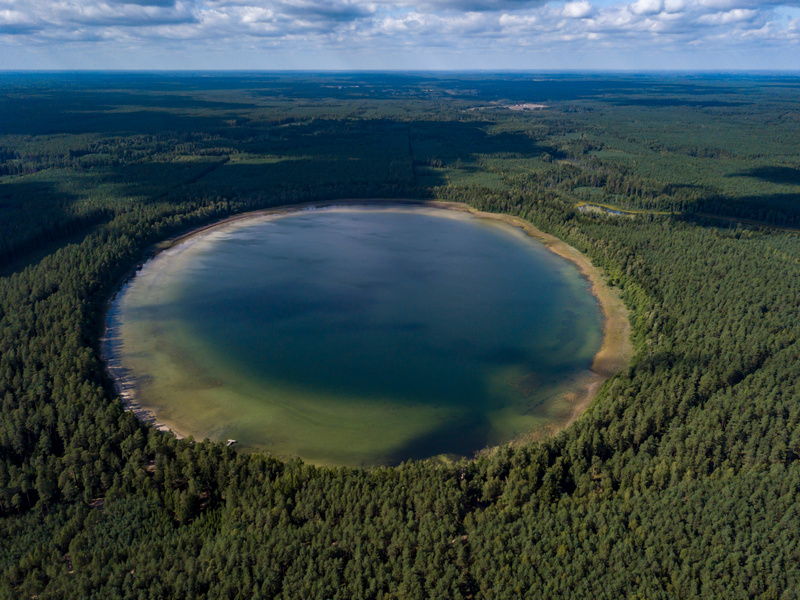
(764, 71)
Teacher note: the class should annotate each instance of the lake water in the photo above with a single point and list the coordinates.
(357, 335)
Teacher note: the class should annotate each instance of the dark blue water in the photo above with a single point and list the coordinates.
(422, 310)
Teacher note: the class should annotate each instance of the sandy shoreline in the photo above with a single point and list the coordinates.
(616, 349)
(614, 354)
(124, 382)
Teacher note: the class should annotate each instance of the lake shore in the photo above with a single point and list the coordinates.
(614, 354)
(124, 383)
(616, 349)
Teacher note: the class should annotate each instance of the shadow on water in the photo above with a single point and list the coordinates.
(461, 436)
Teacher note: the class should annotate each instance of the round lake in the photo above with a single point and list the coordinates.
(356, 335)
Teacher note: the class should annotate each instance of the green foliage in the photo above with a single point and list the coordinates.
(681, 480)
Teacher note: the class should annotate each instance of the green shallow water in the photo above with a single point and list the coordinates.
(356, 335)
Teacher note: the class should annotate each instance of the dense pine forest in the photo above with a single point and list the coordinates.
(681, 480)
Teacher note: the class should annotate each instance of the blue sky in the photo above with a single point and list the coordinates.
(404, 34)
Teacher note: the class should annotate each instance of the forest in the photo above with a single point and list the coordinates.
(681, 480)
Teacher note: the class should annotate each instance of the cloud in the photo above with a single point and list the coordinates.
(736, 15)
(577, 10)
(65, 16)
(15, 22)
(162, 3)
(639, 28)
(444, 28)
(16, 29)
(335, 11)
(103, 14)
(468, 6)
(647, 7)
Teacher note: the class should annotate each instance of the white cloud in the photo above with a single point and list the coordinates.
(14, 22)
(673, 6)
(636, 28)
(736, 15)
(647, 7)
(13, 17)
(517, 20)
(577, 10)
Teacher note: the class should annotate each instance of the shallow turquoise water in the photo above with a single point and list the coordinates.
(358, 335)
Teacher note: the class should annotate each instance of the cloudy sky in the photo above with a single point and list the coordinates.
(404, 34)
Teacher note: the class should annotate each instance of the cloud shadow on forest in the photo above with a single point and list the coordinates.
(44, 222)
(773, 174)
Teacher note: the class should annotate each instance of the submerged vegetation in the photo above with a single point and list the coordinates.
(681, 480)
(358, 335)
